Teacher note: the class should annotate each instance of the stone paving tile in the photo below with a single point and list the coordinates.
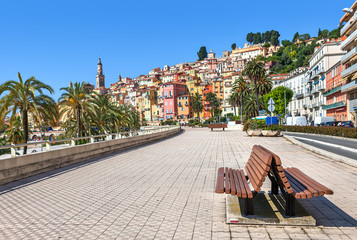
(165, 190)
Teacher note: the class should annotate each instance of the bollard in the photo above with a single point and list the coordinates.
(92, 139)
(48, 146)
(73, 143)
(13, 150)
(108, 137)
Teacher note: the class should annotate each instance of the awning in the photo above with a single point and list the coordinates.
(316, 67)
(316, 82)
(323, 78)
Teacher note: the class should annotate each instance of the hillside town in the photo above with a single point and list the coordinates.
(326, 88)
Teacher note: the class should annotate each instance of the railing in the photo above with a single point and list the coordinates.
(348, 40)
(345, 87)
(93, 138)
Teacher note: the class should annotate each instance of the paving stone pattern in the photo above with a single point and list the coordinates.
(165, 190)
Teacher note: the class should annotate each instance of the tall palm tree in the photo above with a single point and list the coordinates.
(250, 105)
(255, 72)
(75, 103)
(264, 86)
(242, 88)
(14, 133)
(197, 104)
(27, 97)
(213, 102)
(234, 101)
(104, 113)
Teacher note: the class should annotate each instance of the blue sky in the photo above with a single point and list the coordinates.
(61, 41)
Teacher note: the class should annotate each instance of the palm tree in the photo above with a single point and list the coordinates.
(242, 88)
(197, 104)
(250, 106)
(213, 102)
(27, 97)
(14, 133)
(103, 113)
(234, 101)
(75, 103)
(255, 72)
(264, 86)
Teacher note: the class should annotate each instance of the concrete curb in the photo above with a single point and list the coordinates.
(324, 153)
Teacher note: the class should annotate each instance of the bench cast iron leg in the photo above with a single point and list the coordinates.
(290, 206)
(249, 206)
(223, 129)
(211, 129)
(274, 187)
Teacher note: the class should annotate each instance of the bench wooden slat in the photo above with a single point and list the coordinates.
(220, 181)
(240, 190)
(245, 183)
(313, 182)
(263, 154)
(299, 188)
(310, 185)
(252, 179)
(259, 163)
(232, 182)
(227, 183)
(259, 177)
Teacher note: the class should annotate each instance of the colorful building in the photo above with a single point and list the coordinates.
(336, 101)
(206, 106)
(172, 90)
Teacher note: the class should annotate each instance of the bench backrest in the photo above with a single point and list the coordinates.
(217, 125)
(258, 166)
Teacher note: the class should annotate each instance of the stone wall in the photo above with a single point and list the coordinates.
(19, 167)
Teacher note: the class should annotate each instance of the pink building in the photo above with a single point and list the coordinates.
(170, 92)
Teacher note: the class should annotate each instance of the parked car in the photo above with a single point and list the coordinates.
(334, 123)
(347, 124)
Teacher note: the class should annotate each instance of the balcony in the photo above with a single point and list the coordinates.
(334, 105)
(348, 25)
(349, 55)
(321, 103)
(314, 75)
(331, 91)
(314, 105)
(349, 40)
(321, 70)
(300, 95)
(349, 86)
(349, 71)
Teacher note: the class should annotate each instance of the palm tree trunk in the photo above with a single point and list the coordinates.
(79, 122)
(25, 125)
(256, 95)
(235, 111)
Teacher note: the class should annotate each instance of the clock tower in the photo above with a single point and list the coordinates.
(100, 77)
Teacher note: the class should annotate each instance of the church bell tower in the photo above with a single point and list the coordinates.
(100, 77)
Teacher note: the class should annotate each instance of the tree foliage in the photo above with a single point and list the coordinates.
(234, 46)
(27, 97)
(277, 95)
(202, 53)
(269, 36)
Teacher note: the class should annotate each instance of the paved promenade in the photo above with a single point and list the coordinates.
(165, 191)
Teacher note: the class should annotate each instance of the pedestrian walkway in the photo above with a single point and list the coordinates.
(165, 190)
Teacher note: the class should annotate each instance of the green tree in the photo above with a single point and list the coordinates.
(277, 95)
(267, 44)
(202, 53)
(319, 32)
(27, 97)
(296, 37)
(197, 104)
(241, 87)
(264, 86)
(249, 37)
(334, 34)
(255, 72)
(234, 46)
(233, 100)
(286, 43)
(274, 39)
(75, 104)
(14, 133)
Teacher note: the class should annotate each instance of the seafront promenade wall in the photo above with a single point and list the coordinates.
(19, 167)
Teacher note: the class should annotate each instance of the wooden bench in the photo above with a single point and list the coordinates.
(217, 125)
(236, 183)
(293, 183)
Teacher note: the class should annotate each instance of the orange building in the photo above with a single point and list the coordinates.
(336, 101)
(206, 108)
(184, 107)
